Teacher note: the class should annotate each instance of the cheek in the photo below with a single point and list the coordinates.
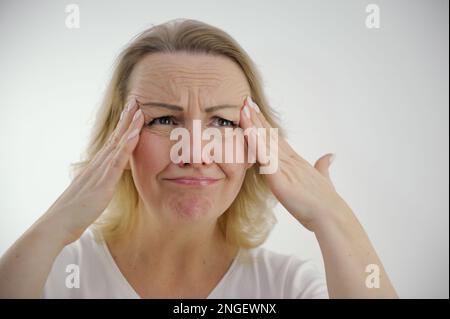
(235, 177)
(235, 172)
(234, 147)
(151, 154)
(234, 155)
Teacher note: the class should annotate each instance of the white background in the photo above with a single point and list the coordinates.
(378, 98)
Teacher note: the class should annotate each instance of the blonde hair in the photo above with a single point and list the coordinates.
(250, 218)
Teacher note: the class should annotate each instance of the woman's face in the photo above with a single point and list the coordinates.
(194, 83)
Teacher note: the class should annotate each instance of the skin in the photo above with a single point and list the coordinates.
(177, 236)
(308, 193)
(177, 239)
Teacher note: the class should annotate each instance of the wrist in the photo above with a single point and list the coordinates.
(54, 227)
(340, 216)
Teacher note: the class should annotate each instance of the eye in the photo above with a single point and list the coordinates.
(163, 120)
(224, 122)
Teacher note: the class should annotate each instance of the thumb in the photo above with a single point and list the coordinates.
(323, 165)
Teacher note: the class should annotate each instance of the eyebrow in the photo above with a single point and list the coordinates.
(179, 108)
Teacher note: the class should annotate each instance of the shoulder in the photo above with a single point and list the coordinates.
(275, 275)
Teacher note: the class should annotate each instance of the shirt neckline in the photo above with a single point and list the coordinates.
(130, 290)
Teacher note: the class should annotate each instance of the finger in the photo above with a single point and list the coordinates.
(262, 122)
(118, 158)
(257, 134)
(93, 171)
(323, 165)
(115, 137)
(256, 114)
(126, 116)
(249, 128)
(264, 133)
(244, 119)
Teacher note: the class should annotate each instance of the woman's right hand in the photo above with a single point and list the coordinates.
(92, 190)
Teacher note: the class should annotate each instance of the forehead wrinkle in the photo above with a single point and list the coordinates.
(153, 86)
(187, 79)
(193, 67)
(178, 77)
(169, 90)
(182, 74)
(167, 84)
(194, 82)
(186, 63)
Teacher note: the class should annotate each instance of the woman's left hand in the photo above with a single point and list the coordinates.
(307, 192)
(309, 195)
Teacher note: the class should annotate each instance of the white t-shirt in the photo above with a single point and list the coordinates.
(254, 273)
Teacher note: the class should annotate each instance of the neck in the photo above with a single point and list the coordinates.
(175, 248)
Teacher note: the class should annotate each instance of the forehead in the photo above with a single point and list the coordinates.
(173, 75)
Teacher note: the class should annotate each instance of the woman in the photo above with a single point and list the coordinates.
(188, 229)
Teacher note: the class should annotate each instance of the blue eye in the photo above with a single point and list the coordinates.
(224, 122)
(169, 120)
(163, 120)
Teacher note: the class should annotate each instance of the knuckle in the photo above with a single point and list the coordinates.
(100, 183)
(115, 139)
(109, 143)
(115, 162)
(116, 145)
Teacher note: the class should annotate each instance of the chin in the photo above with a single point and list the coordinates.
(192, 207)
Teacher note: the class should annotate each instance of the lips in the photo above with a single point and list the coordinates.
(193, 181)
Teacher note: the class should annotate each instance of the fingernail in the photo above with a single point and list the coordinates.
(332, 157)
(253, 104)
(137, 115)
(133, 134)
(130, 105)
(246, 111)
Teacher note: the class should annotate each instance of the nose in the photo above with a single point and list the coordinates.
(196, 145)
